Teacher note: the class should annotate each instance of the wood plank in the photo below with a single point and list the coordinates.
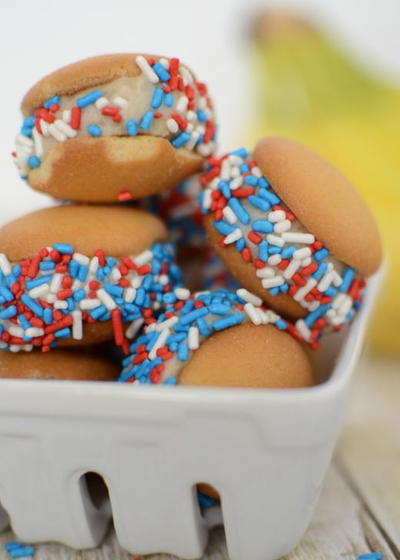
(369, 451)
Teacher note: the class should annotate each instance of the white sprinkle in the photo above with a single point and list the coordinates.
(346, 306)
(51, 298)
(77, 327)
(22, 140)
(193, 338)
(182, 104)
(229, 215)
(134, 327)
(337, 279)
(162, 337)
(115, 274)
(186, 75)
(101, 102)
(66, 115)
(274, 260)
(193, 139)
(266, 272)
(136, 281)
(182, 293)
(248, 296)
(39, 291)
(88, 304)
(337, 302)
(129, 294)
(93, 266)
(282, 226)
(60, 304)
(256, 171)
(301, 254)
(306, 262)
(225, 173)
(5, 266)
(302, 292)
(55, 283)
(276, 216)
(232, 237)
(234, 160)
(252, 313)
(272, 282)
(191, 116)
(291, 269)
(293, 237)
(15, 348)
(202, 103)
(33, 332)
(143, 258)
(147, 69)
(325, 282)
(56, 133)
(313, 305)
(303, 330)
(275, 240)
(81, 259)
(205, 149)
(3, 345)
(172, 126)
(37, 138)
(207, 199)
(76, 284)
(120, 102)
(165, 324)
(271, 317)
(44, 127)
(163, 279)
(106, 299)
(164, 62)
(65, 128)
(236, 183)
(15, 330)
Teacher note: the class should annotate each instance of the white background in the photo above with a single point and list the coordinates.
(37, 36)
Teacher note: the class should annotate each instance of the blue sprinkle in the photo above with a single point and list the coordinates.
(244, 168)
(38, 281)
(224, 228)
(29, 122)
(347, 279)
(241, 152)
(183, 352)
(262, 226)
(63, 333)
(315, 315)
(55, 100)
(239, 211)
(47, 265)
(181, 139)
(205, 501)
(140, 295)
(323, 267)
(240, 244)
(161, 72)
(131, 127)
(8, 312)
(259, 203)
(98, 312)
(193, 315)
(263, 183)
(146, 121)
(281, 324)
(157, 98)
(64, 248)
(33, 306)
(226, 322)
(168, 99)
(6, 293)
(287, 253)
(89, 98)
(284, 288)
(225, 189)
(26, 131)
(203, 327)
(331, 291)
(201, 116)
(94, 130)
(48, 316)
(83, 272)
(269, 196)
(13, 544)
(219, 308)
(371, 556)
(22, 552)
(170, 381)
(251, 180)
(263, 251)
(33, 162)
(274, 291)
(79, 295)
(274, 250)
(321, 254)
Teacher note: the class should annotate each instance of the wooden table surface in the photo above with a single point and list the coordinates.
(359, 509)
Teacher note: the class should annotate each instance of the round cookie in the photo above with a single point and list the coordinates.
(114, 127)
(219, 338)
(77, 274)
(60, 364)
(292, 230)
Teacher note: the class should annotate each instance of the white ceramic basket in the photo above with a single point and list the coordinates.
(266, 451)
